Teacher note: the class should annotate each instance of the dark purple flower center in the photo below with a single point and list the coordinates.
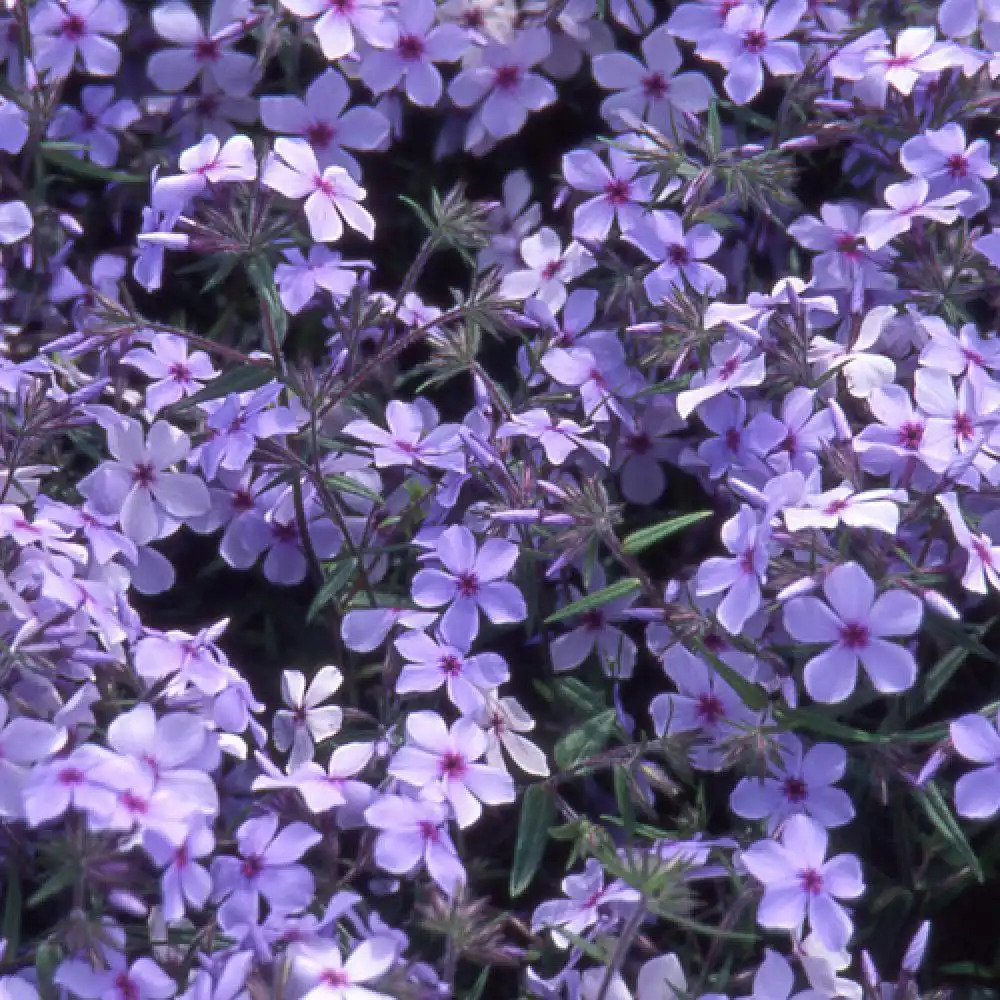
(732, 437)
(855, 635)
(180, 372)
(849, 245)
(144, 475)
(134, 803)
(835, 507)
(242, 499)
(320, 134)
(336, 978)
(468, 584)
(617, 191)
(593, 620)
(451, 665)
(286, 533)
(964, 427)
(344, 6)
(974, 356)
(410, 47)
(794, 789)
(429, 831)
(709, 708)
(74, 27)
(252, 866)
(125, 988)
(551, 269)
(88, 122)
(982, 550)
(71, 776)
(473, 18)
(325, 185)
(639, 444)
(452, 765)
(678, 255)
(811, 881)
(507, 77)
(655, 86)
(207, 105)
(754, 41)
(207, 50)
(910, 435)
(728, 370)
(957, 165)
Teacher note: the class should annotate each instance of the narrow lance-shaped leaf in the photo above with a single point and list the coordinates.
(595, 600)
(537, 813)
(642, 539)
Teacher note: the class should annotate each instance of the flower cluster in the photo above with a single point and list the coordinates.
(409, 595)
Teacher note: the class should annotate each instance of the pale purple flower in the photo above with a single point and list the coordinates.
(204, 164)
(942, 157)
(199, 53)
(510, 222)
(365, 629)
(143, 980)
(799, 883)
(559, 437)
(857, 624)
(739, 575)
(68, 782)
(752, 38)
(620, 191)
(548, 269)
(341, 22)
(137, 486)
(704, 704)
(176, 372)
(877, 509)
(737, 443)
(431, 663)
(266, 865)
(321, 119)
(504, 719)
(800, 781)
(415, 830)
(14, 129)
(413, 437)
(324, 789)
(470, 580)
(917, 53)
(285, 562)
(408, 52)
(320, 972)
(306, 722)
(95, 124)
(298, 277)
(67, 29)
(908, 200)
(977, 794)
(643, 448)
(444, 765)
(156, 236)
(586, 896)
(651, 89)
(185, 659)
(183, 882)
(982, 553)
(681, 255)
(734, 364)
(332, 195)
(503, 81)
(23, 741)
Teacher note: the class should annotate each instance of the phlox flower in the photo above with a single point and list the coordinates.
(183, 882)
(908, 200)
(619, 190)
(504, 719)
(23, 741)
(299, 277)
(977, 794)
(661, 237)
(266, 865)
(16, 222)
(340, 25)
(559, 437)
(643, 449)
(68, 782)
(917, 53)
(433, 663)
(857, 624)
(942, 157)
(587, 895)
(982, 554)
(752, 38)
(306, 721)
(196, 52)
(204, 164)
(739, 575)
(95, 124)
(877, 509)
(413, 437)
(415, 830)
(331, 195)
(176, 372)
(319, 117)
(503, 81)
(651, 88)
(549, 269)
(408, 50)
(468, 581)
(734, 364)
(320, 972)
(63, 30)
(800, 781)
(365, 629)
(323, 789)
(444, 766)
(142, 980)
(137, 485)
(799, 883)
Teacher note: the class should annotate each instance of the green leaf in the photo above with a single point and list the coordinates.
(937, 810)
(537, 813)
(479, 986)
(942, 672)
(345, 484)
(84, 168)
(642, 539)
(56, 883)
(262, 277)
(241, 379)
(587, 740)
(343, 570)
(595, 600)
(623, 793)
